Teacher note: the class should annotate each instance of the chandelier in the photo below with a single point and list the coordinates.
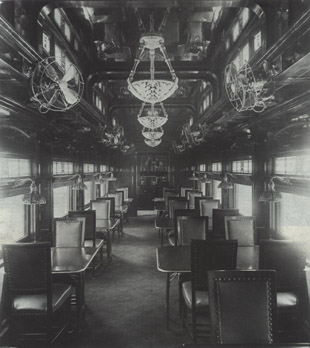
(152, 134)
(152, 119)
(152, 143)
(152, 90)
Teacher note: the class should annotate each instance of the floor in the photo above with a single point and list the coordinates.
(126, 300)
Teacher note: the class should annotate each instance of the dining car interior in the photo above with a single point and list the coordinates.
(154, 173)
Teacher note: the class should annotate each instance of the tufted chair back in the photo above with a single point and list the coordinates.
(192, 227)
(241, 228)
(69, 232)
(242, 307)
(90, 222)
(218, 223)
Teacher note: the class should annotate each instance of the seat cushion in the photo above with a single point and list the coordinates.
(38, 303)
(202, 298)
(286, 299)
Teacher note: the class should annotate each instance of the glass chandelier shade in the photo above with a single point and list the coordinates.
(152, 90)
(152, 118)
(152, 134)
(152, 143)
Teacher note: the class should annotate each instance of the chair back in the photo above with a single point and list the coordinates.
(69, 233)
(192, 227)
(112, 204)
(199, 198)
(241, 228)
(118, 198)
(176, 203)
(218, 223)
(211, 255)
(28, 268)
(206, 208)
(102, 208)
(188, 191)
(125, 190)
(287, 258)
(191, 197)
(178, 214)
(90, 222)
(242, 307)
(170, 193)
(183, 191)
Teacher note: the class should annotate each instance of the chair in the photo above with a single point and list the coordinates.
(183, 191)
(218, 223)
(242, 306)
(205, 256)
(90, 237)
(188, 191)
(192, 227)
(112, 204)
(40, 309)
(241, 228)
(69, 232)
(199, 198)
(120, 209)
(206, 209)
(288, 259)
(191, 197)
(125, 190)
(176, 203)
(178, 214)
(170, 193)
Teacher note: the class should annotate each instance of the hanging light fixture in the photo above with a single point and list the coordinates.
(79, 184)
(152, 143)
(32, 197)
(270, 194)
(152, 134)
(152, 119)
(225, 184)
(193, 177)
(114, 137)
(152, 90)
(204, 178)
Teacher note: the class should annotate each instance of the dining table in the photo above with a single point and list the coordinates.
(174, 260)
(74, 262)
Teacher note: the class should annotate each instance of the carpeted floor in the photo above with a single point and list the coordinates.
(126, 301)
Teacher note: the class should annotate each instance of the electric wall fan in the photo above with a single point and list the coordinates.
(244, 90)
(56, 87)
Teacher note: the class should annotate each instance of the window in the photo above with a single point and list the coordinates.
(67, 32)
(58, 55)
(76, 45)
(103, 167)
(217, 167)
(88, 193)
(294, 220)
(61, 201)
(202, 167)
(58, 17)
(293, 165)
(245, 17)
(46, 43)
(235, 32)
(257, 41)
(216, 192)
(88, 168)
(12, 219)
(62, 167)
(227, 44)
(245, 53)
(14, 167)
(243, 199)
(244, 166)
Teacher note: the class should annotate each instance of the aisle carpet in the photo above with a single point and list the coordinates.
(126, 301)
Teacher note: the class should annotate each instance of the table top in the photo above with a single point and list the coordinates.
(278, 345)
(106, 223)
(178, 258)
(72, 260)
(158, 199)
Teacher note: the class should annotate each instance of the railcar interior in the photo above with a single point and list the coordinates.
(154, 173)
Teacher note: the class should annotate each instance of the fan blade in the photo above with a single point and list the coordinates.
(51, 73)
(70, 74)
(70, 95)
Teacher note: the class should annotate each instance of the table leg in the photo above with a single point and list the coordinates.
(167, 299)
(80, 298)
(162, 237)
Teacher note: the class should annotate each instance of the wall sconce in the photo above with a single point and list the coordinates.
(79, 185)
(270, 194)
(226, 184)
(32, 198)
